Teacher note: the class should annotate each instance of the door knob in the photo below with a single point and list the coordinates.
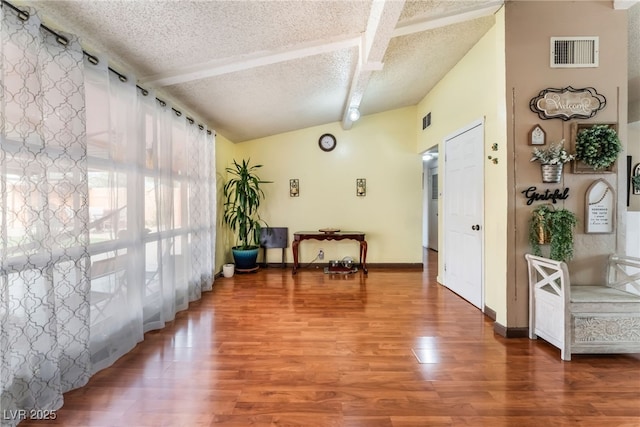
(475, 227)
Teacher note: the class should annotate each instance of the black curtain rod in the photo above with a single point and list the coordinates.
(24, 16)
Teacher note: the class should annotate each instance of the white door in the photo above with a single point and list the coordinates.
(463, 207)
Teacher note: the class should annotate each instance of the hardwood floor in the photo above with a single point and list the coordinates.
(272, 349)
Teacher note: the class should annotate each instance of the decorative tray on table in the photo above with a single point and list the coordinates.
(329, 230)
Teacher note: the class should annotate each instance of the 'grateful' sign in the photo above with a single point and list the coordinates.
(533, 195)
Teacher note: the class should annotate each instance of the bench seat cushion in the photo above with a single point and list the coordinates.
(586, 293)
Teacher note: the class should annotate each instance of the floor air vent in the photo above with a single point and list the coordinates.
(574, 52)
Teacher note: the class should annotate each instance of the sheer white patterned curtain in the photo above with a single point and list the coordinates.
(152, 201)
(179, 214)
(44, 301)
(117, 270)
(107, 215)
(201, 211)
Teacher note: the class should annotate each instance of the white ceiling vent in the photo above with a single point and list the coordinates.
(574, 52)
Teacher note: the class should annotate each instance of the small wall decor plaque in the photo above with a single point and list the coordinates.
(600, 208)
(567, 103)
(537, 136)
(361, 187)
(294, 188)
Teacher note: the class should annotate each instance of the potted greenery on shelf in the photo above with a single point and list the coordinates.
(243, 194)
(551, 160)
(548, 225)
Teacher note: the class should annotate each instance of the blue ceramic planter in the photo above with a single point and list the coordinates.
(245, 259)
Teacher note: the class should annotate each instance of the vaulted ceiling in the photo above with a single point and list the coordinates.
(256, 68)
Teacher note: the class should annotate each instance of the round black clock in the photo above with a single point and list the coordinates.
(327, 142)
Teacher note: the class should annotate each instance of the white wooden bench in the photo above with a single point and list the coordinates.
(603, 318)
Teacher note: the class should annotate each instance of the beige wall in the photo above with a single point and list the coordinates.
(379, 148)
(473, 90)
(529, 26)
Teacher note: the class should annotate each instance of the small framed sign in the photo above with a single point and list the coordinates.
(537, 136)
(599, 208)
(294, 188)
(361, 187)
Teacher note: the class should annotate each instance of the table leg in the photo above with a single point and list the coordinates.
(363, 256)
(294, 248)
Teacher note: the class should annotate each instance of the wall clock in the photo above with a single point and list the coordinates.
(327, 142)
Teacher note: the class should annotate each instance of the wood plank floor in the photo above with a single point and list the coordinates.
(391, 349)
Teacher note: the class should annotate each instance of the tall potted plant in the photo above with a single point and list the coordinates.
(243, 195)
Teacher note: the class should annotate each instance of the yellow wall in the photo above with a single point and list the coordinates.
(225, 153)
(473, 90)
(529, 26)
(384, 148)
(379, 148)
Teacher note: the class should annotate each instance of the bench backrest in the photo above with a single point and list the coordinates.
(623, 273)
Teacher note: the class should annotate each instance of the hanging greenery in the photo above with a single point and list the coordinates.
(539, 228)
(598, 146)
(562, 224)
(555, 227)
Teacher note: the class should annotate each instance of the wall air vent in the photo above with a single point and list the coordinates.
(426, 121)
(574, 52)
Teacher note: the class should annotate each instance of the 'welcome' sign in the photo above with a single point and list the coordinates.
(567, 103)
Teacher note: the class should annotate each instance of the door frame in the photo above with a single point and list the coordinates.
(442, 201)
(429, 161)
(433, 234)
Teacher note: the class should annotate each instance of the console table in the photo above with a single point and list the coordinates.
(299, 236)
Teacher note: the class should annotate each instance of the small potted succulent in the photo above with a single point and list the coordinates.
(552, 160)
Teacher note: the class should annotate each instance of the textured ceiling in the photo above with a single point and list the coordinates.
(253, 68)
(256, 68)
